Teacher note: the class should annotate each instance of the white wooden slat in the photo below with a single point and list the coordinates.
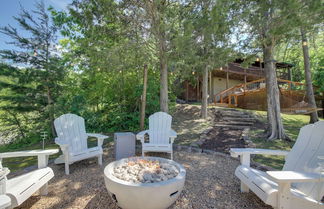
(304, 157)
(71, 129)
(301, 143)
(159, 128)
(22, 187)
(312, 163)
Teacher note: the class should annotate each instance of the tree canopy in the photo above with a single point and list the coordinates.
(89, 58)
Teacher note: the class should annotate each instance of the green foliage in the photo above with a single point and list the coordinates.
(291, 52)
(30, 85)
(97, 74)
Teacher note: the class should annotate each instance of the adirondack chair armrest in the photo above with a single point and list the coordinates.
(99, 137)
(64, 146)
(173, 135)
(235, 152)
(140, 136)
(5, 201)
(60, 142)
(29, 153)
(287, 177)
(42, 155)
(3, 172)
(245, 153)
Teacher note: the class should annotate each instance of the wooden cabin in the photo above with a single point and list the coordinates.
(228, 76)
(236, 86)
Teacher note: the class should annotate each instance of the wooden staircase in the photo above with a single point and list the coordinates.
(235, 119)
(252, 95)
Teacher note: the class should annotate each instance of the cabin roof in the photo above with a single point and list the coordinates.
(279, 65)
(254, 71)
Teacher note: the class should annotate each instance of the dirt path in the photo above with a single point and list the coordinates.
(222, 131)
(228, 129)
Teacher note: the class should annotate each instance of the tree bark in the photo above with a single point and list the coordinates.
(164, 84)
(22, 133)
(276, 130)
(155, 13)
(204, 100)
(187, 91)
(143, 105)
(50, 111)
(308, 77)
(198, 89)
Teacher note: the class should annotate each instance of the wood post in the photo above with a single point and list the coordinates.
(198, 90)
(244, 80)
(210, 86)
(143, 105)
(187, 91)
(227, 78)
(289, 74)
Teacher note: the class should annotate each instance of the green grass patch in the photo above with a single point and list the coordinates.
(292, 125)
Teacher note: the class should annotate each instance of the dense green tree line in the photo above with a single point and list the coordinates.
(89, 59)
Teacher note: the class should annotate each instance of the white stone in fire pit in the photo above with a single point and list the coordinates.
(144, 182)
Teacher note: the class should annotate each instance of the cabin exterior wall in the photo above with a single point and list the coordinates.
(219, 84)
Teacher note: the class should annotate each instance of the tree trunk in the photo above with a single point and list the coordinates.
(276, 130)
(22, 133)
(143, 99)
(204, 100)
(155, 11)
(50, 111)
(164, 86)
(163, 74)
(187, 91)
(308, 78)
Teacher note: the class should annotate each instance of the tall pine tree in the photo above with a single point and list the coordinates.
(36, 52)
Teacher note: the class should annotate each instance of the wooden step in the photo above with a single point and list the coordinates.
(239, 119)
(221, 104)
(240, 123)
(228, 115)
(231, 126)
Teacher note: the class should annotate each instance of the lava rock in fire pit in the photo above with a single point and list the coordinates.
(131, 181)
(145, 171)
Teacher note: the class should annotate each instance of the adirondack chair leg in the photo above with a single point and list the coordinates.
(44, 189)
(171, 155)
(100, 159)
(67, 170)
(42, 163)
(284, 201)
(244, 187)
(245, 160)
(143, 154)
(66, 161)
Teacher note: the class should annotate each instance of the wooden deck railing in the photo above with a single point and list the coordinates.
(230, 95)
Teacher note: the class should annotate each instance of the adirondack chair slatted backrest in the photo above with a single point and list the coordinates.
(303, 157)
(159, 128)
(70, 129)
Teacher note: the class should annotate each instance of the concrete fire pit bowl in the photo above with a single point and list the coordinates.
(156, 195)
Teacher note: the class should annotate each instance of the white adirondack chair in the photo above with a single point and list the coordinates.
(161, 136)
(20, 188)
(5, 201)
(72, 138)
(300, 185)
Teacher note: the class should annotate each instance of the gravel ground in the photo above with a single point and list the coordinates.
(210, 183)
